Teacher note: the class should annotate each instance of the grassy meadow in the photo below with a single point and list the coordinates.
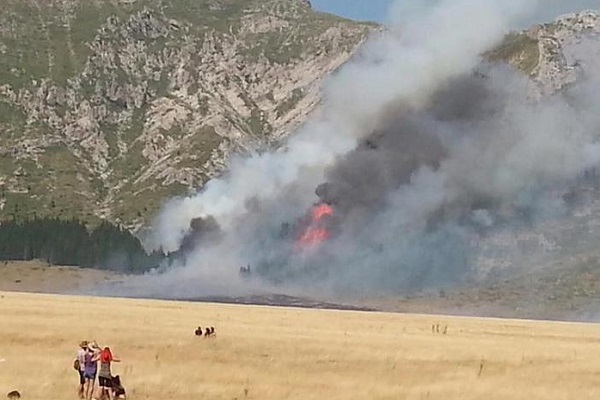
(284, 353)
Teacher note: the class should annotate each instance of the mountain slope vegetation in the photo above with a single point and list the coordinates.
(109, 107)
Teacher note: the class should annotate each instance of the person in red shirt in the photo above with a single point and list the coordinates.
(105, 374)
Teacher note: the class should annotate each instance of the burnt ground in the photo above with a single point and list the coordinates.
(565, 291)
(559, 293)
(282, 300)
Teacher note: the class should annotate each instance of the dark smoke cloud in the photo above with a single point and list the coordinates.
(409, 140)
(428, 156)
(413, 197)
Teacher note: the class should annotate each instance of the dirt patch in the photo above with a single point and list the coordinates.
(39, 277)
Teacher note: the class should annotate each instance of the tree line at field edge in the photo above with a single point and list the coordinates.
(69, 242)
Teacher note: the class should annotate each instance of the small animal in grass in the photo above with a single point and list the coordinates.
(13, 395)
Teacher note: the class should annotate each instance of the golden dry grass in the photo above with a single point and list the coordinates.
(277, 353)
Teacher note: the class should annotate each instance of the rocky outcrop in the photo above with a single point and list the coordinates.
(556, 54)
(148, 99)
(108, 108)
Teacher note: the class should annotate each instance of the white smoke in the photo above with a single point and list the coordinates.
(430, 44)
(417, 235)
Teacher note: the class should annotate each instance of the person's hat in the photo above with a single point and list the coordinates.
(94, 346)
(83, 343)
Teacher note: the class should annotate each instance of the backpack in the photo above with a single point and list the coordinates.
(76, 364)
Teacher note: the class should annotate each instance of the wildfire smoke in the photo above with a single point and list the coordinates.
(418, 150)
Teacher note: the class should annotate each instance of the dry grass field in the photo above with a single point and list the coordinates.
(284, 353)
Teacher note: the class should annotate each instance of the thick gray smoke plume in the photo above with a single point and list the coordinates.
(419, 149)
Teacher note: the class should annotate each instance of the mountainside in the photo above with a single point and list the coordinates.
(109, 107)
(556, 54)
(550, 270)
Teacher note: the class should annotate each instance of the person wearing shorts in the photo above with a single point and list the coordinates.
(90, 370)
(105, 374)
(83, 347)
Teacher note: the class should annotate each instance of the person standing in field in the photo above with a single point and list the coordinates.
(90, 369)
(80, 363)
(105, 374)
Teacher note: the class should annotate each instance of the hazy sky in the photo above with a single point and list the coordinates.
(367, 10)
(376, 10)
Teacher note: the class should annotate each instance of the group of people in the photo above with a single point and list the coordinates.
(86, 363)
(208, 332)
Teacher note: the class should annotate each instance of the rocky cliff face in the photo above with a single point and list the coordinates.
(106, 108)
(556, 54)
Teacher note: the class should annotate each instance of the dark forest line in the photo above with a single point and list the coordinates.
(69, 242)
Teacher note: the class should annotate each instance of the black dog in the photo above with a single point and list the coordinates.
(117, 388)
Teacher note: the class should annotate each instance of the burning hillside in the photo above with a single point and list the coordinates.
(422, 151)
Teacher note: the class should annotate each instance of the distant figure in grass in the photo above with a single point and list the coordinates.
(209, 331)
(198, 331)
(105, 376)
(79, 366)
(13, 395)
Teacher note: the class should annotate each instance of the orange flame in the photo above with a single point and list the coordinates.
(315, 233)
(320, 211)
(313, 236)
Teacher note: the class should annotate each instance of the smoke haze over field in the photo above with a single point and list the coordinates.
(419, 147)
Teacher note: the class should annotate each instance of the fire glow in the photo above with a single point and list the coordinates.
(316, 232)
